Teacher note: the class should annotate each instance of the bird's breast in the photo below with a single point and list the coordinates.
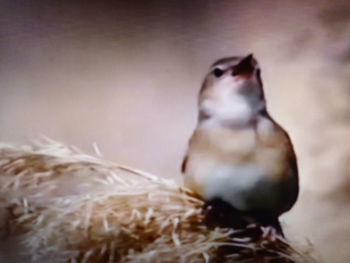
(247, 186)
(220, 143)
(236, 167)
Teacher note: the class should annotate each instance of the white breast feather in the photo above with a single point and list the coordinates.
(233, 184)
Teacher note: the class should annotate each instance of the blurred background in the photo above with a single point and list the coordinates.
(125, 75)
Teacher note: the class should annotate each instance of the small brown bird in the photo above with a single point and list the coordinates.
(238, 155)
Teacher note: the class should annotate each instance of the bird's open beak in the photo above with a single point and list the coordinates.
(245, 67)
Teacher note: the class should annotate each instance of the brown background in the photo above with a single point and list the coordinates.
(126, 75)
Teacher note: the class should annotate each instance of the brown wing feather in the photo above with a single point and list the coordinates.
(293, 165)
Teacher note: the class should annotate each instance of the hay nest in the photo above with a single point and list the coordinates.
(67, 206)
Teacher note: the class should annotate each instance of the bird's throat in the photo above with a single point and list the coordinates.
(232, 112)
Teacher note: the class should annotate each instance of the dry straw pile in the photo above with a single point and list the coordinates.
(66, 206)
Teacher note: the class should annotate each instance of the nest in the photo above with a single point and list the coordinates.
(67, 206)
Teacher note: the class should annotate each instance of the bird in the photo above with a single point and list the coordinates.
(238, 157)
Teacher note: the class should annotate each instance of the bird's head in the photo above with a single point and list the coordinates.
(232, 89)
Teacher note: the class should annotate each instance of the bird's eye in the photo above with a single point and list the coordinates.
(218, 72)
